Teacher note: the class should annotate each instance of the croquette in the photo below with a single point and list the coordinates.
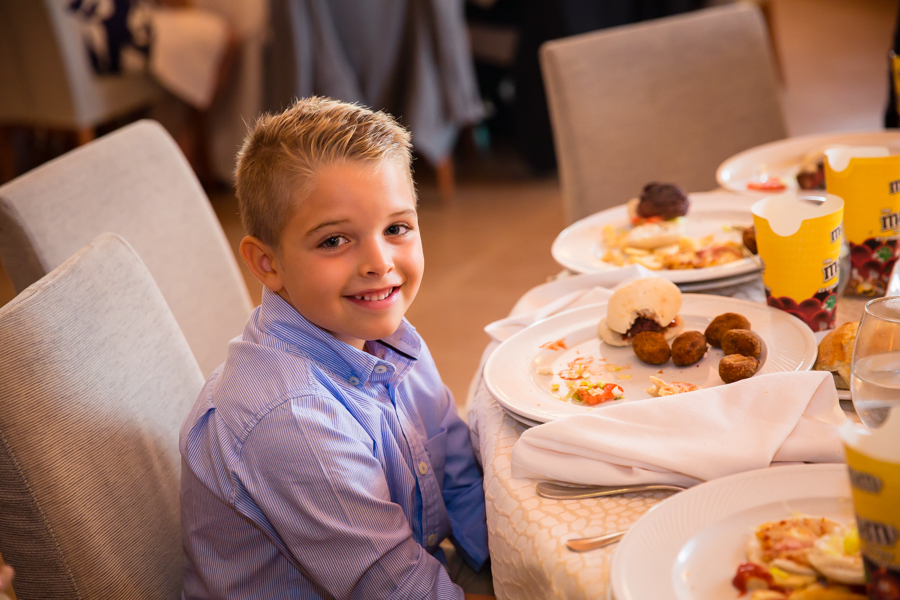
(723, 323)
(749, 239)
(688, 348)
(735, 367)
(739, 341)
(651, 347)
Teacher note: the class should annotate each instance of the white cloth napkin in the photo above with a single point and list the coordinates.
(566, 294)
(688, 438)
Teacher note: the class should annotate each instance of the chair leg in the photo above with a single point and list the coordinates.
(84, 135)
(446, 180)
(7, 156)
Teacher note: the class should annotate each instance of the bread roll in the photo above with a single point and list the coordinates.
(835, 352)
(652, 297)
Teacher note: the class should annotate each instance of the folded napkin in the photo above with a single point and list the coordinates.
(566, 294)
(688, 438)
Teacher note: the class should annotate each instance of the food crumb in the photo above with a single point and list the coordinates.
(623, 376)
(559, 344)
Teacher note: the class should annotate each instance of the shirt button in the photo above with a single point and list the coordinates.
(423, 468)
(432, 540)
(354, 380)
(380, 369)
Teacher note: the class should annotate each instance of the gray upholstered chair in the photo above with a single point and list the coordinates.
(95, 381)
(665, 100)
(134, 182)
(47, 76)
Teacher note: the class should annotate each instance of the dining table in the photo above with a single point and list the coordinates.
(527, 532)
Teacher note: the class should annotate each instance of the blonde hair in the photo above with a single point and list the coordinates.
(278, 161)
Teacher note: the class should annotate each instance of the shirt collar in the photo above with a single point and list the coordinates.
(281, 320)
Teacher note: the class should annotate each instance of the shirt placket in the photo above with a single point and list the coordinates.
(421, 467)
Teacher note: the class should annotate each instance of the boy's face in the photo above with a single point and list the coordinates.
(351, 256)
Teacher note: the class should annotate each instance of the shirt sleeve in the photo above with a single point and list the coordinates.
(463, 490)
(313, 475)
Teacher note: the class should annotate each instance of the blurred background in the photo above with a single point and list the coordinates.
(463, 76)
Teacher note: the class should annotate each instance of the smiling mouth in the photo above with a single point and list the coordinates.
(376, 297)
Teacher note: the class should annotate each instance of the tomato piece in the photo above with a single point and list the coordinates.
(609, 387)
(644, 220)
(769, 185)
(590, 396)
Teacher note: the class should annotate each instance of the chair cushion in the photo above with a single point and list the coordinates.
(95, 380)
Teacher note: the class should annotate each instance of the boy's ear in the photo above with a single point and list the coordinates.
(262, 262)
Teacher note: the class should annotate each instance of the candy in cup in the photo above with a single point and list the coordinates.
(799, 242)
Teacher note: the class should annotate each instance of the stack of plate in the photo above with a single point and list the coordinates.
(784, 158)
(580, 246)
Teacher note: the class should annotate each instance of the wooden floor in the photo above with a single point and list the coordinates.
(493, 244)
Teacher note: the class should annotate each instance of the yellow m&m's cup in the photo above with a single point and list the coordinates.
(868, 180)
(799, 243)
(873, 461)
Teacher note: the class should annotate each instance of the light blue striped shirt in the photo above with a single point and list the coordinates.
(314, 470)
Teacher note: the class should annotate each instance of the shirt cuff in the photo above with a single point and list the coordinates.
(470, 528)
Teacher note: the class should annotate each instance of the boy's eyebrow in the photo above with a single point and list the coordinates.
(326, 224)
(408, 211)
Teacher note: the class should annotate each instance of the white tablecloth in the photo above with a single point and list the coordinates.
(527, 533)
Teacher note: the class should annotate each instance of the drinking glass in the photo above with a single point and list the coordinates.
(875, 366)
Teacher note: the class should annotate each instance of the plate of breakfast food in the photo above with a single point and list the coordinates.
(770, 534)
(685, 238)
(647, 340)
(796, 163)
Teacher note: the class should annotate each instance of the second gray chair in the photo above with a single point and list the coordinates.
(665, 100)
(134, 182)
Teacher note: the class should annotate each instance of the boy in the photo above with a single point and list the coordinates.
(325, 457)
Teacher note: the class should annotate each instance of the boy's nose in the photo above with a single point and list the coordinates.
(377, 259)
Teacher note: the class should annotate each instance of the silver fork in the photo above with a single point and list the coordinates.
(592, 543)
(556, 491)
(568, 492)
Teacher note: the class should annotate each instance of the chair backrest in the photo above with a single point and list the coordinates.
(665, 100)
(95, 381)
(47, 76)
(134, 182)
(50, 66)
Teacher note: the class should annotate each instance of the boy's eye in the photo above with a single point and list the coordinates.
(333, 242)
(397, 229)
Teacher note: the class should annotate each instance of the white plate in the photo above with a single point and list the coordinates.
(717, 284)
(783, 158)
(521, 420)
(511, 372)
(579, 247)
(689, 546)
